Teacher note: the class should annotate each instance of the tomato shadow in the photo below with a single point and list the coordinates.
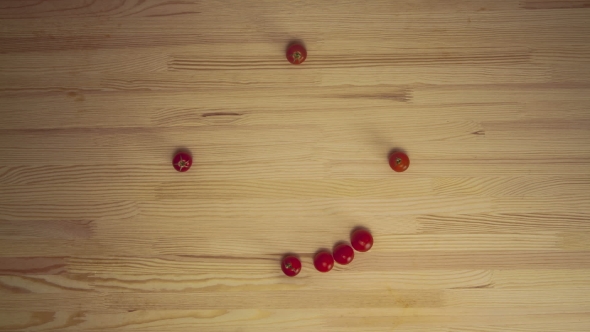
(290, 254)
(295, 42)
(182, 149)
(358, 228)
(394, 150)
(339, 243)
(320, 251)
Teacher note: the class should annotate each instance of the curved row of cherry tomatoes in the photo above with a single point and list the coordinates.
(343, 253)
(323, 261)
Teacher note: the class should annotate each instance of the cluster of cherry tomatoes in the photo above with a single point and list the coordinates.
(360, 239)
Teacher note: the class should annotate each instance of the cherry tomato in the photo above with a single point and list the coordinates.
(296, 54)
(399, 161)
(361, 240)
(291, 266)
(343, 254)
(182, 161)
(323, 261)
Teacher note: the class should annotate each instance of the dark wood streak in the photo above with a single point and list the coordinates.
(205, 115)
(488, 285)
(32, 265)
(173, 14)
(404, 96)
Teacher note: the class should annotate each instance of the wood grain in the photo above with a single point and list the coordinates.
(488, 230)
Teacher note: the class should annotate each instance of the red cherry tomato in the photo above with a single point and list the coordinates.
(361, 240)
(296, 54)
(182, 162)
(291, 266)
(323, 261)
(343, 254)
(399, 161)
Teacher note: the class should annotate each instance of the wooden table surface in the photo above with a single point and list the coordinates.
(488, 230)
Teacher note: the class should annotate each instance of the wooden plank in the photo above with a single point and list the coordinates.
(488, 230)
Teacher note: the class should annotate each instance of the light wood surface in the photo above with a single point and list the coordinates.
(488, 230)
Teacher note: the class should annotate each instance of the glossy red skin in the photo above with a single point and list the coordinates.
(343, 254)
(361, 240)
(323, 261)
(182, 162)
(296, 54)
(291, 266)
(399, 161)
